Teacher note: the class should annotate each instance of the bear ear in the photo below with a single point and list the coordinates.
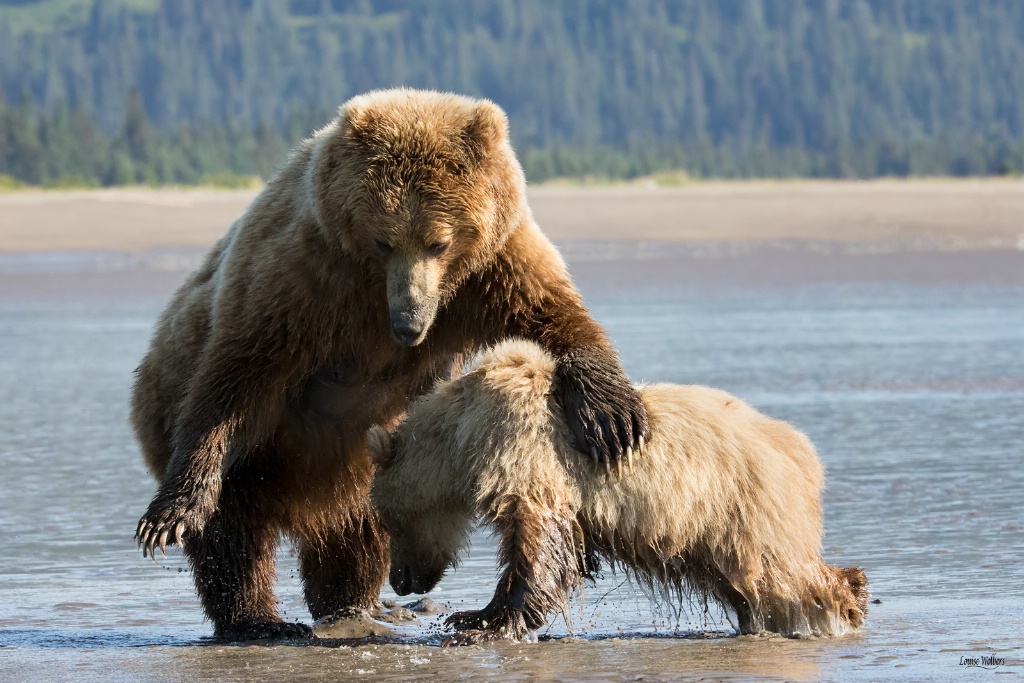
(381, 446)
(358, 120)
(487, 128)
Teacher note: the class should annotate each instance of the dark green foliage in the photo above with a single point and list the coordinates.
(179, 89)
(64, 148)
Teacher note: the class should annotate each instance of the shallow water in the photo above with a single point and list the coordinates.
(913, 393)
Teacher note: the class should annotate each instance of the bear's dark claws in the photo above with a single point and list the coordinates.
(489, 624)
(164, 524)
(163, 542)
(604, 412)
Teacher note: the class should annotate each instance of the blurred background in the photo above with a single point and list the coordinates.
(107, 92)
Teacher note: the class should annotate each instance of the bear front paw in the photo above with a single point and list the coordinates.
(470, 619)
(266, 630)
(165, 523)
(606, 415)
(479, 626)
(471, 637)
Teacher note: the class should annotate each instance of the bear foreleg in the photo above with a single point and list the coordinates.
(232, 561)
(541, 550)
(346, 567)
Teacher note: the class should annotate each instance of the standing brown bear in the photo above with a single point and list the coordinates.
(391, 244)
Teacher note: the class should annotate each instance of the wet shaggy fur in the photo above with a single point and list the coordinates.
(722, 501)
(394, 242)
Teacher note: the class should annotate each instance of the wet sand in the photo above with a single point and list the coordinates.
(136, 244)
(926, 213)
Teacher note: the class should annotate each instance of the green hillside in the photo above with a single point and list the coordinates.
(838, 88)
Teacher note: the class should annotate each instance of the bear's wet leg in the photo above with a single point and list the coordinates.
(542, 552)
(233, 567)
(346, 567)
(748, 620)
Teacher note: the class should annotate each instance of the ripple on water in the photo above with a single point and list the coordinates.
(914, 396)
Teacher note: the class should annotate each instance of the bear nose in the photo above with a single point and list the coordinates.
(401, 580)
(406, 331)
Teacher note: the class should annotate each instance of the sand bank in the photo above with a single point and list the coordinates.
(945, 214)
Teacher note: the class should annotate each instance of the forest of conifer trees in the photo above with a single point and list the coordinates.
(107, 92)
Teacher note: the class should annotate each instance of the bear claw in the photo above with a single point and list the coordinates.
(602, 409)
(151, 536)
(468, 620)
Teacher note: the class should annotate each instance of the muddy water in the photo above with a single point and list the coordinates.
(913, 392)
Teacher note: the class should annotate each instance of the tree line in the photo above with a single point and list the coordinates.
(181, 91)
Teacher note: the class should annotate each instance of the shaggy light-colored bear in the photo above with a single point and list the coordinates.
(723, 501)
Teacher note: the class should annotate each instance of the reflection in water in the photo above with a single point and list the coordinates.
(913, 394)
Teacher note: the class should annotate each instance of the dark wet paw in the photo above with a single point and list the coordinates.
(267, 630)
(472, 637)
(603, 410)
(165, 523)
(471, 619)
(486, 625)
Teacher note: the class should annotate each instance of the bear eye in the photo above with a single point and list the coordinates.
(384, 247)
(437, 248)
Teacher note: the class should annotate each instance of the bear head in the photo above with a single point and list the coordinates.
(422, 188)
(457, 440)
(427, 534)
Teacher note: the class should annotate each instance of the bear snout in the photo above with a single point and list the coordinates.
(405, 580)
(401, 580)
(407, 331)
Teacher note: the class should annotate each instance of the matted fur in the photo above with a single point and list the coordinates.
(724, 501)
(274, 358)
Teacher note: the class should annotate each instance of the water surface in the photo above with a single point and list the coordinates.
(913, 393)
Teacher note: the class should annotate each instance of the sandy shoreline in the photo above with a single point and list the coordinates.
(137, 244)
(919, 214)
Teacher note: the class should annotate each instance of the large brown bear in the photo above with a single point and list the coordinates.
(726, 502)
(391, 244)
